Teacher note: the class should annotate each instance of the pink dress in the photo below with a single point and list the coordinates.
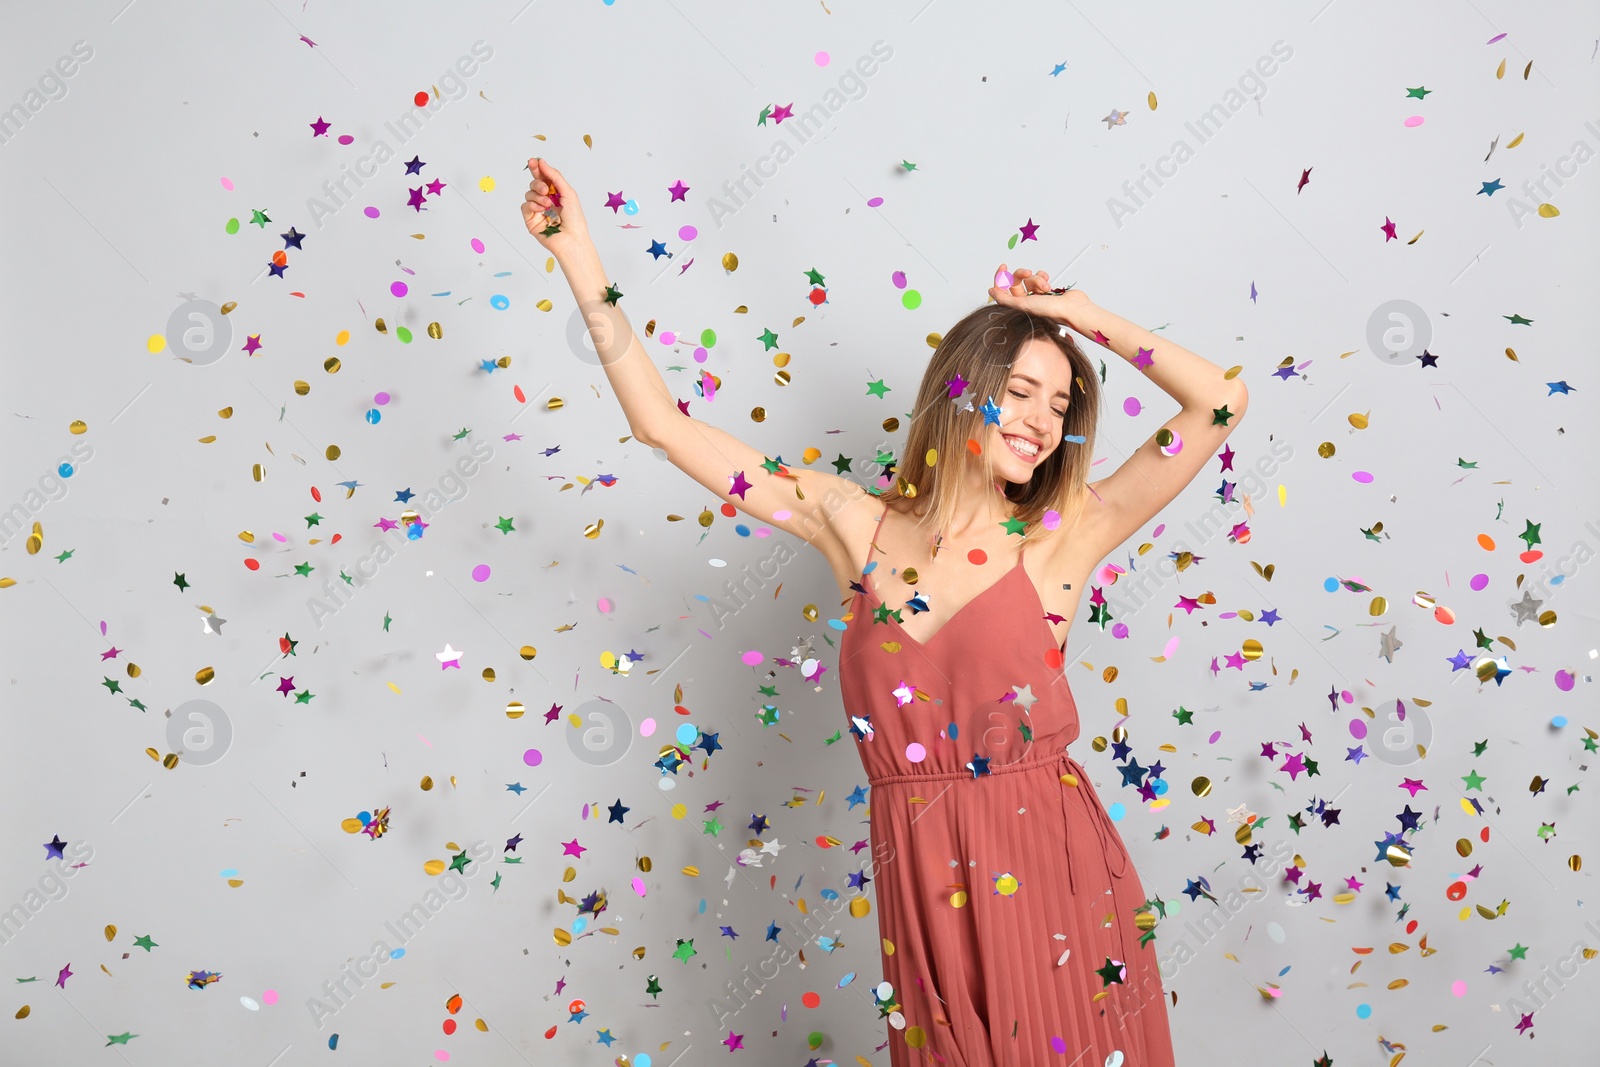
(1006, 899)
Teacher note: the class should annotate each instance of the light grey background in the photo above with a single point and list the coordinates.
(114, 209)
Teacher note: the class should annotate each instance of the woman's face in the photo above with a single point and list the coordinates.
(1032, 413)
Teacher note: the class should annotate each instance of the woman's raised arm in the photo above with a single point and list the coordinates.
(553, 214)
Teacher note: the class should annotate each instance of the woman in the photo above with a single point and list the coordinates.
(1015, 928)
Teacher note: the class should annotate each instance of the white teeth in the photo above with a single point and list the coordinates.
(1022, 447)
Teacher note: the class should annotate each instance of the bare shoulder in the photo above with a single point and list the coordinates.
(1076, 551)
(842, 511)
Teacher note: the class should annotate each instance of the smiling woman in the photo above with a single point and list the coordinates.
(1000, 374)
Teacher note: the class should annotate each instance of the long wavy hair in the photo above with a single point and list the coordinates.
(982, 347)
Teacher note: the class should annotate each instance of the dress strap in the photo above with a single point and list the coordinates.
(871, 541)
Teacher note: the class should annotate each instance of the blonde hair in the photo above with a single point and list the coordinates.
(982, 347)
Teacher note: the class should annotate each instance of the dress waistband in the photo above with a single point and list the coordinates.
(949, 776)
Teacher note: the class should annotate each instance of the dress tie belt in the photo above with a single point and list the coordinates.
(1112, 851)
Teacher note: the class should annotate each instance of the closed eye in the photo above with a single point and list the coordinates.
(1023, 396)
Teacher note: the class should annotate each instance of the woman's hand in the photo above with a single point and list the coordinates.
(1032, 292)
(551, 210)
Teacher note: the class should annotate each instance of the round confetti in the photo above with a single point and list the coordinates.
(604, 604)
(379, 399)
(1358, 729)
(269, 997)
(533, 757)
(1116, 811)
(1414, 120)
(249, 1003)
(1131, 406)
(232, 226)
(477, 246)
(687, 733)
(156, 343)
(499, 302)
(227, 183)
(687, 233)
(480, 573)
(810, 1000)
(1565, 681)
(911, 300)
(1362, 476)
(1479, 582)
(916, 753)
(370, 212)
(752, 658)
(647, 728)
(1458, 988)
(821, 59)
(486, 184)
(421, 99)
(345, 138)
(876, 201)
(1363, 1011)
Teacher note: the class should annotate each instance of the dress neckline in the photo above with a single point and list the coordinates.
(951, 621)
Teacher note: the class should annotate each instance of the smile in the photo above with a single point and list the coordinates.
(1025, 449)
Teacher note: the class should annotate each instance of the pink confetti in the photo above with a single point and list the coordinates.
(1414, 120)
(1131, 406)
(1120, 631)
(380, 399)
(477, 246)
(346, 139)
(533, 757)
(1358, 729)
(751, 658)
(480, 573)
(1362, 476)
(687, 233)
(915, 752)
(647, 728)
(370, 212)
(1479, 582)
(399, 289)
(227, 183)
(899, 279)
(1565, 680)
(1492, 40)
(269, 997)
(822, 59)
(604, 604)
(876, 201)
(668, 337)
(1216, 735)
